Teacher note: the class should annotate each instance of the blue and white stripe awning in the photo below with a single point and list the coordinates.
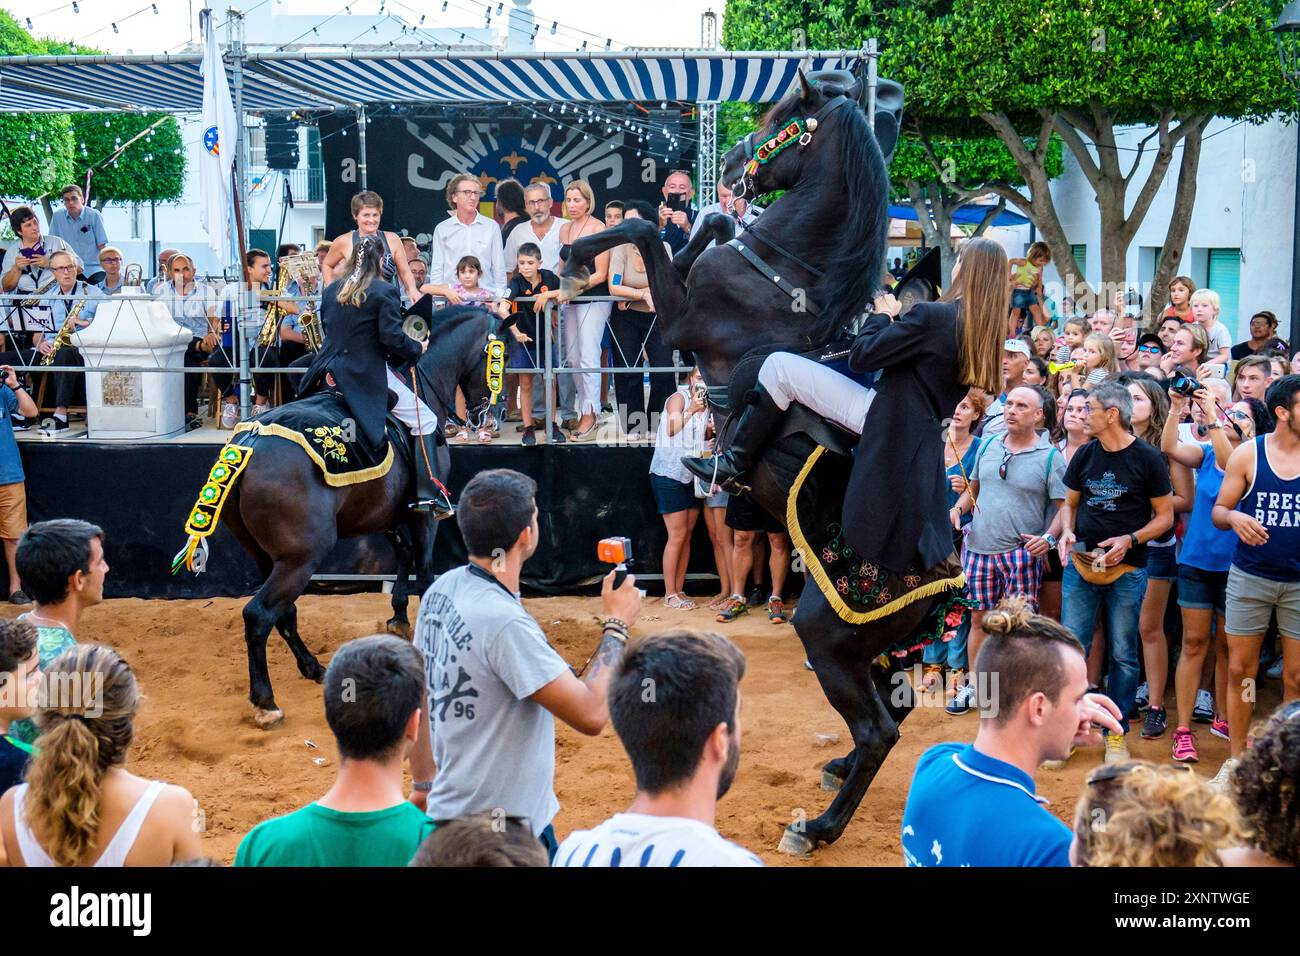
(308, 80)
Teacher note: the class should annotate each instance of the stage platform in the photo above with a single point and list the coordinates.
(140, 493)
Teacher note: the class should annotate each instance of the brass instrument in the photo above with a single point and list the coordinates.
(415, 327)
(35, 300)
(133, 275)
(65, 331)
(305, 270)
(271, 321)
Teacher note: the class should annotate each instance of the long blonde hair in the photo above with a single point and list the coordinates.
(984, 295)
(1106, 346)
(86, 718)
(362, 268)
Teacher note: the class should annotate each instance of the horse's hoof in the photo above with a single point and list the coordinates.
(794, 844)
(830, 781)
(268, 719)
(398, 628)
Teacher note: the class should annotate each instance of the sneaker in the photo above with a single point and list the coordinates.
(1274, 671)
(776, 610)
(1219, 728)
(51, 425)
(962, 700)
(1153, 728)
(1221, 780)
(530, 437)
(19, 424)
(755, 598)
(569, 424)
(1117, 749)
(260, 409)
(1057, 764)
(19, 597)
(1143, 699)
(193, 423)
(1184, 745)
(557, 436)
(733, 609)
(229, 415)
(1203, 712)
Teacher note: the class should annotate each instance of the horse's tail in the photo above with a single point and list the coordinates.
(230, 463)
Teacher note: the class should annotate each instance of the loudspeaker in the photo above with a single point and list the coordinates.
(281, 144)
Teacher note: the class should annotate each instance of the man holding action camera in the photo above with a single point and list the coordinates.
(494, 685)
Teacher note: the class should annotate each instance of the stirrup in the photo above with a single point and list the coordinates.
(441, 510)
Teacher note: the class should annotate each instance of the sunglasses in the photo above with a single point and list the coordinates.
(1006, 460)
(1153, 349)
(1238, 414)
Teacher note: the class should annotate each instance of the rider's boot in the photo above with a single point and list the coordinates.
(727, 467)
(430, 494)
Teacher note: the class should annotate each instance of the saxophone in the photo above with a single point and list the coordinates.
(39, 294)
(65, 332)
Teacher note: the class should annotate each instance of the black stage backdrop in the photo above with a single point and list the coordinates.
(141, 494)
(411, 158)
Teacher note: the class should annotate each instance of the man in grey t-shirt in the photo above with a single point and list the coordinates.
(1017, 487)
(494, 684)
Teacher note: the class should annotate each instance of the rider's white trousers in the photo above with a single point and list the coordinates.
(409, 410)
(793, 378)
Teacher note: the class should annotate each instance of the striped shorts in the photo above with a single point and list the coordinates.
(992, 577)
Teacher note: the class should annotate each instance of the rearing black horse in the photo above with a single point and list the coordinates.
(822, 247)
(289, 535)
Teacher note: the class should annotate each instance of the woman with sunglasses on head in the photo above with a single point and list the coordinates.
(1150, 412)
(1204, 561)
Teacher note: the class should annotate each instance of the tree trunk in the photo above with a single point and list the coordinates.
(48, 209)
(935, 220)
(1171, 253)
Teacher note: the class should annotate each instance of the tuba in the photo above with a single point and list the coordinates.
(305, 270)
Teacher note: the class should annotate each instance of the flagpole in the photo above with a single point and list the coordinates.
(235, 20)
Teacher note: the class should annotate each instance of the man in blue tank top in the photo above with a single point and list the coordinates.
(1260, 501)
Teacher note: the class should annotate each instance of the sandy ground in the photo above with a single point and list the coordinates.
(195, 727)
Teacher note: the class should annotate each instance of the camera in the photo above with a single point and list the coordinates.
(618, 552)
(1184, 382)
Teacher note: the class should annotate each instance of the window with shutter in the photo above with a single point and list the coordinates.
(1224, 277)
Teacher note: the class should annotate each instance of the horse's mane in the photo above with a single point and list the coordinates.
(856, 256)
(851, 256)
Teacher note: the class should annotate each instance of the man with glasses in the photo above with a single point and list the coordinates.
(110, 261)
(466, 232)
(1015, 359)
(82, 228)
(65, 267)
(1118, 498)
(1017, 482)
(543, 230)
(192, 304)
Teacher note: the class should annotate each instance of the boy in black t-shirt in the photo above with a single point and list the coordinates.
(20, 674)
(530, 279)
(1118, 497)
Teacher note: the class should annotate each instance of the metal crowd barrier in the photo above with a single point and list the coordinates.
(246, 334)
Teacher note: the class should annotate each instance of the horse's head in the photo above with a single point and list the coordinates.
(463, 342)
(775, 155)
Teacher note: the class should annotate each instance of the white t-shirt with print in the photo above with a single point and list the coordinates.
(638, 839)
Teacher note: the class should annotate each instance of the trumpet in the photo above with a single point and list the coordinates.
(65, 332)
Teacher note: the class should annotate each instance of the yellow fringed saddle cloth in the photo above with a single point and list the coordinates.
(859, 591)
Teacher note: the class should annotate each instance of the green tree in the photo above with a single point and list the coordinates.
(151, 168)
(938, 175)
(1083, 71)
(940, 164)
(36, 147)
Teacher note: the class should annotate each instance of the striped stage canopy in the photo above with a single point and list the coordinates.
(312, 80)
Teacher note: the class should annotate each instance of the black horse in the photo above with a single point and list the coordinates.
(824, 240)
(290, 534)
